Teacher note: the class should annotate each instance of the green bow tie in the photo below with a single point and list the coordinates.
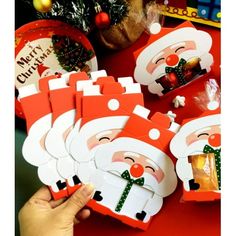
(209, 149)
(178, 70)
(126, 175)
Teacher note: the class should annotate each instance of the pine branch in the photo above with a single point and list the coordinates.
(81, 13)
(117, 9)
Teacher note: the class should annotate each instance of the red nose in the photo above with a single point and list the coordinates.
(136, 170)
(214, 140)
(172, 60)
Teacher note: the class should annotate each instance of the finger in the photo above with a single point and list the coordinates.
(76, 221)
(42, 194)
(81, 215)
(56, 203)
(78, 200)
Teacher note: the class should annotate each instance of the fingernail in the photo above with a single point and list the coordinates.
(87, 190)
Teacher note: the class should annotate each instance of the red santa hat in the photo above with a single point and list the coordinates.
(110, 99)
(165, 38)
(105, 107)
(155, 132)
(41, 69)
(208, 118)
(62, 96)
(35, 104)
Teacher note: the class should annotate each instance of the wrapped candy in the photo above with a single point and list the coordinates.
(204, 171)
(210, 98)
(153, 17)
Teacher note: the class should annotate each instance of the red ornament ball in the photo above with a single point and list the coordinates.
(102, 20)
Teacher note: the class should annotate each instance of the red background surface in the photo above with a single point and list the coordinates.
(176, 218)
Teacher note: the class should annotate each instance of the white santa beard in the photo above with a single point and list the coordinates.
(32, 150)
(150, 181)
(49, 175)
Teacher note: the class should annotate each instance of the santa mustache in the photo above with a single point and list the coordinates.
(160, 70)
(118, 168)
(196, 147)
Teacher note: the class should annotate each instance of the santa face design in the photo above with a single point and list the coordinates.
(174, 59)
(138, 174)
(194, 150)
(170, 56)
(207, 136)
(102, 138)
(138, 165)
(94, 133)
(89, 143)
(57, 72)
(34, 151)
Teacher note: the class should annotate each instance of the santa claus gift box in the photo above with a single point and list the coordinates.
(135, 171)
(142, 172)
(172, 58)
(197, 147)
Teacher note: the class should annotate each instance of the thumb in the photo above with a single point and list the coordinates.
(78, 200)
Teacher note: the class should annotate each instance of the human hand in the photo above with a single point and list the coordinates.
(42, 216)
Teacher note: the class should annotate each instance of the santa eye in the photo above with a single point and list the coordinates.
(202, 134)
(160, 59)
(129, 158)
(102, 138)
(149, 167)
(179, 48)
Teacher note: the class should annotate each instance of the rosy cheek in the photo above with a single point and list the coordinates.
(118, 158)
(65, 134)
(158, 175)
(151, 67)
(190, 139)
(42, 141)
(92, 145)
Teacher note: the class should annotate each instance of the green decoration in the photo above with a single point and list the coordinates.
(208, 149)
(81, 13)
(126, 175)
(71, 55)
(178, 70)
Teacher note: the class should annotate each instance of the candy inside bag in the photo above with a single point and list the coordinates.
(204, 171)
(209, 99)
